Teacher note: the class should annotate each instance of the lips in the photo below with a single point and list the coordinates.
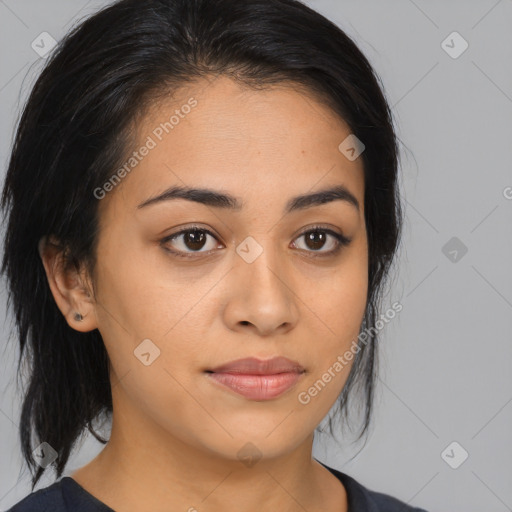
(257, 379)
(253, 366)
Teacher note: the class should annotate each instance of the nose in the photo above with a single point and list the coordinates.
(261, 296)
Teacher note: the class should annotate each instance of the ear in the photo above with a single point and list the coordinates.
(70, 287)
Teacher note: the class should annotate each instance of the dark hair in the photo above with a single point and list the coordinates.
(76, 127)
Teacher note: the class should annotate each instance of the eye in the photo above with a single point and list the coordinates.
(193, 239)
(317, 237)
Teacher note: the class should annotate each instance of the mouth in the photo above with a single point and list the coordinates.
(257, 379)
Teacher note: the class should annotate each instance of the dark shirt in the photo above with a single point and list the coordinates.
(66, 495)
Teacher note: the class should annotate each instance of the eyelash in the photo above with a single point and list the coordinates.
(342, 241)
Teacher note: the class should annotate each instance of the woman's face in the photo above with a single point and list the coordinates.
(248, 284)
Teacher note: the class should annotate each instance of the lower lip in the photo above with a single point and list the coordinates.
(257, 387)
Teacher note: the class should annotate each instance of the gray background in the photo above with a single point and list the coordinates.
(446, 357)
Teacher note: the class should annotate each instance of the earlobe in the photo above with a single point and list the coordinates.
(69, 292)
(82, 323)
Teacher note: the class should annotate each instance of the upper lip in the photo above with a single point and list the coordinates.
(254, 366)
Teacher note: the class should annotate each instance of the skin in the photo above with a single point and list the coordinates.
(175, 434)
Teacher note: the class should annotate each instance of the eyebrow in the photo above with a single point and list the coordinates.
(218, 199)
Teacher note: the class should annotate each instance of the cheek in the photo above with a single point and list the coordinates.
(345, 297)
(136, 293)
(148, 313)
(341, 306)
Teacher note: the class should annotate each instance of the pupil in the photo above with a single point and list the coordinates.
(195, 239)
(317, 238)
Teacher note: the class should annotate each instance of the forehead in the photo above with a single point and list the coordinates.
(226, 111)
(220, 134)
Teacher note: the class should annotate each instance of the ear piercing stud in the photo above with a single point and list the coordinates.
(78, 317)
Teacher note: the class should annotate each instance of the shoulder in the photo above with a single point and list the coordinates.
(387, 503)
(362, 499)
(43, 500)
(376, 501)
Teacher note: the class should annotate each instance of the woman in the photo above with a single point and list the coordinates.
(202, 209)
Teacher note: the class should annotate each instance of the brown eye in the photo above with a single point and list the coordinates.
(317, 238)
(194, 240)
(189, 241)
